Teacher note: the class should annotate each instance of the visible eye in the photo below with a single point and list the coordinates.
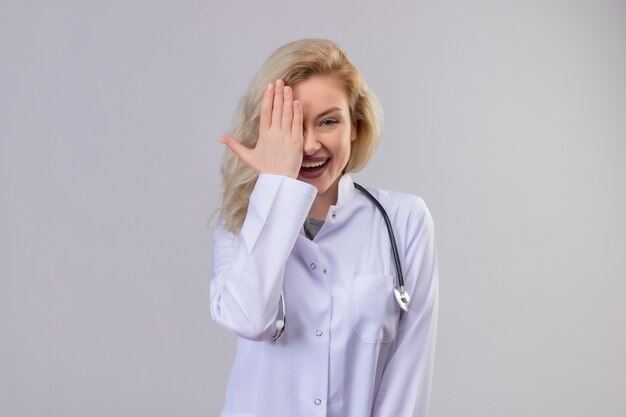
(329, 122)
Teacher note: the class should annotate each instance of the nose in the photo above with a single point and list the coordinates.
(311, 145)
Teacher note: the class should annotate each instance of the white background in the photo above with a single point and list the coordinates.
(507, 117)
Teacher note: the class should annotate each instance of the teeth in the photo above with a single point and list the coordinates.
(313, 164)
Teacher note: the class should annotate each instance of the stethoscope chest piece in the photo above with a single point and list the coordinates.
(402, 297)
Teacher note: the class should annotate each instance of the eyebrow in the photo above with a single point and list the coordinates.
(325, 112)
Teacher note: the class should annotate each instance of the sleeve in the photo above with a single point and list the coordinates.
(407, 378)
(248, 268)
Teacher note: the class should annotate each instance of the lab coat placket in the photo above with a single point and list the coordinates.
(308, 295)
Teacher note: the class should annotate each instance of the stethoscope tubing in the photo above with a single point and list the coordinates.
(392, 238)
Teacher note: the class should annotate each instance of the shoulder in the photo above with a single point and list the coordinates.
(400, 204)
(407, 212)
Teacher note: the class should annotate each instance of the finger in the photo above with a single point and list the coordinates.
(266, 108)
(277, 111)
(296, 126)
(287, 110)
(240, 150)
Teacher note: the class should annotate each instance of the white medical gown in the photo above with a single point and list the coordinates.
(348, 350)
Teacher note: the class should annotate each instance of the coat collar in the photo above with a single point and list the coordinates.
(345, 193)
(345, 190)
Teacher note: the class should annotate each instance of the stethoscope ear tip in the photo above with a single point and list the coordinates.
(280, 328)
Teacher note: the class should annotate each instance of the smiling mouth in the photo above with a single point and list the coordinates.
(311, 166)
(314, 171)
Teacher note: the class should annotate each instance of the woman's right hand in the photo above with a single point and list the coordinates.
(279, 147)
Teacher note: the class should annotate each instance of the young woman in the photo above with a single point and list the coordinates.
(303, 266)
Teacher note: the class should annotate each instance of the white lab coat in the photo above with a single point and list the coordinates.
(348, 350)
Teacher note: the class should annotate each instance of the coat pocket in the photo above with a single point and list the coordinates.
(375, 311)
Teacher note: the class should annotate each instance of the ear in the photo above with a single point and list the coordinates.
(353, 133)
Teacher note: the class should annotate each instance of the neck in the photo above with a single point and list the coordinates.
(323, 201)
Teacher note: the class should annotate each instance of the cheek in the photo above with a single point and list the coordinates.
(341, 154)
(342, 142)
(346, 147)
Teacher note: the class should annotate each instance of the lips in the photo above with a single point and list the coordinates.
(314, 172)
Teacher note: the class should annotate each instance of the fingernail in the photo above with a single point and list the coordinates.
(269, 86)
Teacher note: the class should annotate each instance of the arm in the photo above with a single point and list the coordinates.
(248, 269)
(407, 378)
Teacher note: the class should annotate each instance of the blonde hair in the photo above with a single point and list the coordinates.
(294, 62)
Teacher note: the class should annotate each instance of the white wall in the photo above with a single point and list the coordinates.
(507, 117)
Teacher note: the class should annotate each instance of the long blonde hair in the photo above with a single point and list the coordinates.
(294, 62)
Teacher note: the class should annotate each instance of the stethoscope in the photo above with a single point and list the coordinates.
(402, 296)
